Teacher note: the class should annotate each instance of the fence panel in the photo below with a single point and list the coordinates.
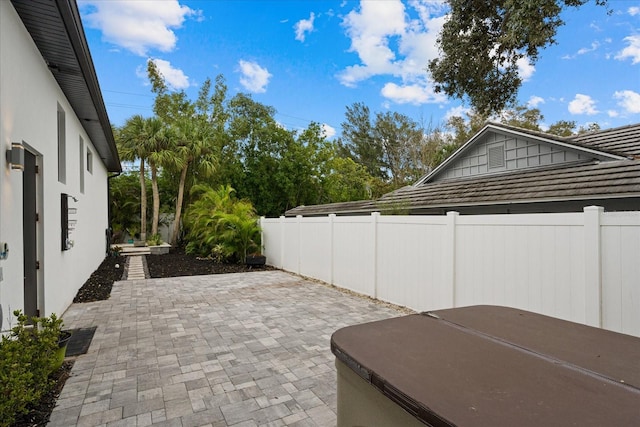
(621, 272)
(291, 243)
(521, 261)
(410, 261)
(353, 254)
(272, 247)
(315, 253)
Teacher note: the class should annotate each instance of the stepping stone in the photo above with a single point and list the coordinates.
(136, 268)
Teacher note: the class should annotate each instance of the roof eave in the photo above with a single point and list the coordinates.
(72, 21)
(96, 123)
(529, 201)
(452, 206)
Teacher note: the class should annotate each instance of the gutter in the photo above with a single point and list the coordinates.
(109, 231)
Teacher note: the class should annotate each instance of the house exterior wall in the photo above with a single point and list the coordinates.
(515, 152)
(581, 267)
(29, 100)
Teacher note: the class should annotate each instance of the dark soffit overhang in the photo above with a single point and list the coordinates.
(56, 29)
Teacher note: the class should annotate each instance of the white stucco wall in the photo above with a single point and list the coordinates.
(29, 96)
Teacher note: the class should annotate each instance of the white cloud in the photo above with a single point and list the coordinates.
(525, 69)
(595, 27)
(411, 94)
(459, 111)
(612, 113)
(304, 27)
(534, 101)
(632, 50)
(583, 104)
(370, 30)
(175, 78)
(390, 43)
(634, 10)
(595, 45)
(254, 77)
(138, 26)
(629, 100)
(584, 50)
(329, 131)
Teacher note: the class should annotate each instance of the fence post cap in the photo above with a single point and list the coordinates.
(593, 208)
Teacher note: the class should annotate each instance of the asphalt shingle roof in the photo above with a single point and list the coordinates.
(589, 180)
(623, 140)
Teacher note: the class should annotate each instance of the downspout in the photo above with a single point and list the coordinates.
(109, 230)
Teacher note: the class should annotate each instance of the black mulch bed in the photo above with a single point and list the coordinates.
(178, 263)
(98, 287)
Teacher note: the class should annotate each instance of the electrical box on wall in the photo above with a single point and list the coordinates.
(67, 220)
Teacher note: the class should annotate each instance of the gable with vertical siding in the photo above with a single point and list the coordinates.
(498, 152)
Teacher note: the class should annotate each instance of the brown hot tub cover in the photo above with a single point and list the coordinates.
(497, 366)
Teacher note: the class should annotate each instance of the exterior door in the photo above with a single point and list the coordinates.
(29, 218)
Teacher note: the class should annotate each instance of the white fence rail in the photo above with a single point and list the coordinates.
(583, 267)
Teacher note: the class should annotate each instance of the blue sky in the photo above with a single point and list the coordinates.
(312, 59)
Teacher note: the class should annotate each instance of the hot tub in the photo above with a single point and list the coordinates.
(485, 366)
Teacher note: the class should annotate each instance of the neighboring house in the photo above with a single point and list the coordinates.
(505, 169)
(54, 184)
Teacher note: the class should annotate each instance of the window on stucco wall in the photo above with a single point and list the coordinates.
(62, 149)
(89, 161)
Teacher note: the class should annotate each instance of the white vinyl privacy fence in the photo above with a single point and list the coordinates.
(583, 267)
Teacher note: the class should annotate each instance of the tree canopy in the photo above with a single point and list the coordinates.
(483, 42)
(392, 147)
(219, 142)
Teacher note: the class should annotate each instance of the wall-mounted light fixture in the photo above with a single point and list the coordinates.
(15, 156)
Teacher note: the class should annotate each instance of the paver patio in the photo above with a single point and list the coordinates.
(247, 349)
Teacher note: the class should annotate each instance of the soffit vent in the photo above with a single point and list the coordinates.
(496, 156)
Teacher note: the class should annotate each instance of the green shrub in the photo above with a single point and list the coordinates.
(27, 358)
(221, 226)
(239, 234)
(154, 240)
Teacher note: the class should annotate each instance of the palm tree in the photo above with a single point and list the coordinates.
(159, 154)
(132, 146)
(146, 140)
(193, 148)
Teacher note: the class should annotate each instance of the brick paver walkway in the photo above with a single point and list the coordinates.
(249, 349)
(136, 268)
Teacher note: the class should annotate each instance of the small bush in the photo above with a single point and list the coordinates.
(115, 251)
(221, 226)
(27, 359)
(154, 240)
